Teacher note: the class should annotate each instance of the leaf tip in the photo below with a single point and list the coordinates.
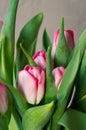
(41, 15)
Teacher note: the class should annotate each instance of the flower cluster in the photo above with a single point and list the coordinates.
(45, 89)
(32, 79)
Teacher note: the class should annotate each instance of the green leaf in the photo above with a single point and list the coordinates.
(66, 86)
(15, 122)
(62, 52)
(79, 101)
(80, 104)
(81, 80)
(29, 58)
(48, 126)
(7, 40)
(80, 93)
(37, 117)
(21, 104)
(28, 36)
(46, 41)
(73, 120)
(15, 74)
(51, 92)
(3, 123)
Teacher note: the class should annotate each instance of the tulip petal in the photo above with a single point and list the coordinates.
(69, 35)
(39, 75)
(3, 99)
(40, 59)
(41, 87)
(32, 83)
(58, 74)
(27, 86)
(55, 42)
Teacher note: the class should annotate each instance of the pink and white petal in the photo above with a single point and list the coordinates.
(40, 59)
(56, 37)
(27, 85)
(58, 74)
(41, 87)
(41, 62)
(55, 43)
(69, 39)
(40, 93)
(3, 99)
(35, 71)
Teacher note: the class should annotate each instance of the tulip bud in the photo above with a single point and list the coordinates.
(69, 36)
(31, 83)
(58, 75)
(3, 99)
(1, 23)
(40, 59)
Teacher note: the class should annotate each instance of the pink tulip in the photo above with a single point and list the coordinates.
(31, 82)
(58, 75)
(69, 36)
(40, 59)
(1, 23)
(3, 99)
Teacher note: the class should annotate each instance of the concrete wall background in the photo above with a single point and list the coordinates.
(74, 12)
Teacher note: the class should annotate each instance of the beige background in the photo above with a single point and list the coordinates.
(74, 12)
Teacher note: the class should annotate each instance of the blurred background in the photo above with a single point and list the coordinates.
(74, 12)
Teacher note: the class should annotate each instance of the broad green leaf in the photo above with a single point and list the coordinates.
(28, 36)
(81, 80)
(80, 104)
(21, 104)
(80, 44)
(48, 126)
(80, 85)
(46, 40)
(73, 120)
(7, 40)
(37, 117)
(51, 92)
(3, 123)
(15, 122)
(62, 52)
(66, 87)
(79, 101)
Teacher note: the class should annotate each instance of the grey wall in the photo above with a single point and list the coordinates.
(74, 12)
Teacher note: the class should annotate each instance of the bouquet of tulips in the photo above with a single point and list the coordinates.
(44, 90)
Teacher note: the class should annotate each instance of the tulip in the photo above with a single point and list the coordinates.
(31, 83)
(40, 59)
(69, 36)
(3, 99)
(58, 73)
(1, 23)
